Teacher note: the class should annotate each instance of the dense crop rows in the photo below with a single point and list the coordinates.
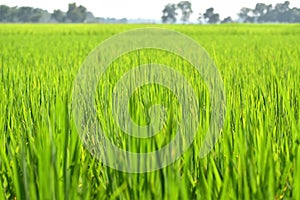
(257, 156)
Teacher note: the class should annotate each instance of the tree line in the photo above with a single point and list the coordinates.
(171, 13)
(75, 14)
(261, 13)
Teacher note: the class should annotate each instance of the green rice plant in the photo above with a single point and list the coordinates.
(256, 157)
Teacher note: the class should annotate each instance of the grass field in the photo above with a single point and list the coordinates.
(256, 157)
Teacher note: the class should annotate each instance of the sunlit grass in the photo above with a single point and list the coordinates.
(257, 156)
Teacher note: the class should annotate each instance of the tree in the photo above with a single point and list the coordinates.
(211, 17)
(259, 11)
(245, 16)
(282, 12)
(186, 10)
(267, 15)
(295, 13)
(76, 14)
(58, 15)
(8, 14)
(24, 14)
(271, 15)
(209, 12)
(227, 20)
(4, 13)
(169, 13)
(282, 7)
(36, 15)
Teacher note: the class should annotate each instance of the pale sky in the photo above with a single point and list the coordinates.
(146, 9)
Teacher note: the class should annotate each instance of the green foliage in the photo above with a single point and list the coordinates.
(170, 12)
(21, 14)
(186, 10)
(76, 14)
(257, 156)
(211, 17)
(263, 13)
(58, 16)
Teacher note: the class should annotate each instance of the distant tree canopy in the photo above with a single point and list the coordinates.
(186, 10)
(75, 14)
(28, 14)
(211, 17)
(170, 12)
(22, 14)
(262, 13)
(58, 16)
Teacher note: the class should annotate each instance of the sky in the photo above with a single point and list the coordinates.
(145, 9)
